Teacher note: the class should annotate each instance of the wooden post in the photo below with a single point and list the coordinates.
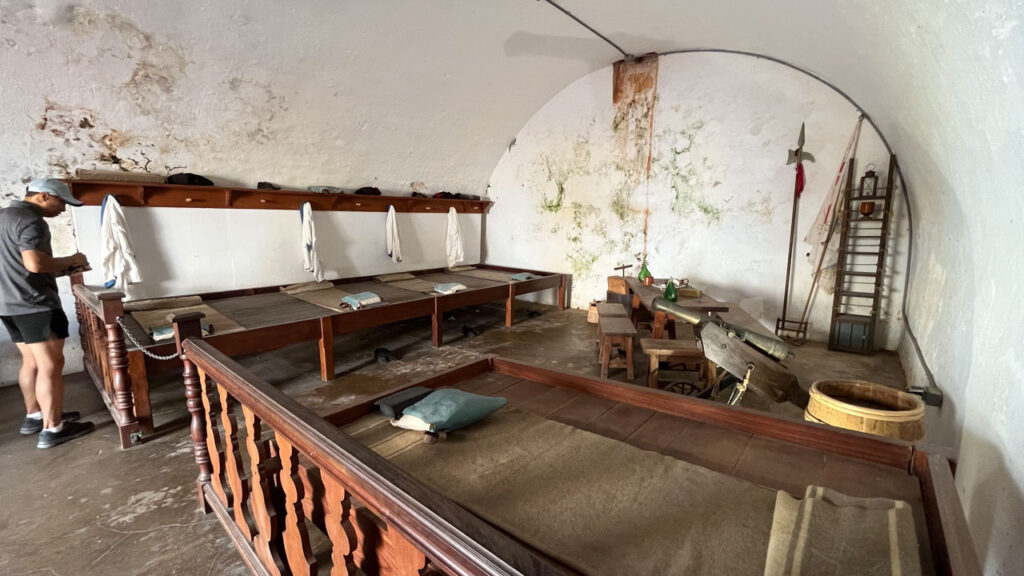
(117, 356)
(187, 326)
(327, 348)
(437, 323)
(562, 289)
(510, 304)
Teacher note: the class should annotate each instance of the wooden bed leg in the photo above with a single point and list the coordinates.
(327, 348)
(188, 326)
(510, 305)
(561, 293)
(117, 357)
(437, 323)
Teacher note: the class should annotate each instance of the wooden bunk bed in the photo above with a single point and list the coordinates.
(298, 495)
(263, 318)
(119, 354)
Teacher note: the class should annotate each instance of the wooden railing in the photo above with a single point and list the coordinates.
(286, 472)
(105, 355)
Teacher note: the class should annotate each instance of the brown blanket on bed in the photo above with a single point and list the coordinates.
(598, 505)
(329, 298)
(148, 319)
(414, 284)
(485, 274)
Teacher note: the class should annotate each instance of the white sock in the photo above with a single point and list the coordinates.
(35, 416)
(56, 428)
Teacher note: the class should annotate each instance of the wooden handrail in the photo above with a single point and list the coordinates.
(88, 297)
(448, 535)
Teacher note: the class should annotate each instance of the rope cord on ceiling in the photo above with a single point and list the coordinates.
(934, 389)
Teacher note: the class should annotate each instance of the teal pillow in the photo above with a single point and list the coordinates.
(450, 409)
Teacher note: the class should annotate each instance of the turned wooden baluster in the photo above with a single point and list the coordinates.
(337, 518)
(407, 559)
(267, 529)
(117, 353)
(187, 326)
(213, 442)
(233, 466)
(296, 537)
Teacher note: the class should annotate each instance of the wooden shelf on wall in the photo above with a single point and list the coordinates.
(138, 194)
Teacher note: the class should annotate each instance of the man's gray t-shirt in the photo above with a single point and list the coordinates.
(22, 292)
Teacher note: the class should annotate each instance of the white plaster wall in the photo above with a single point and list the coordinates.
(322, 92)
(190, 250)
(720, 193)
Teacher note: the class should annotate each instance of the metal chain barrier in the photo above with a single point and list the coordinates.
(128, 335)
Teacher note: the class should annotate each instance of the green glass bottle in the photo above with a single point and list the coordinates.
(644, 274)
(670, 290)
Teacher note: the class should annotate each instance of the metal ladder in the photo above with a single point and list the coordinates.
(864, 236)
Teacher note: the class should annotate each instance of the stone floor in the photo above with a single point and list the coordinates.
(88, 507)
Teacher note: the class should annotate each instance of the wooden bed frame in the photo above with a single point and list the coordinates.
(120, 370)
(311, 476)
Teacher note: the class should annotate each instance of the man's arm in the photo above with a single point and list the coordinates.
(40, 262)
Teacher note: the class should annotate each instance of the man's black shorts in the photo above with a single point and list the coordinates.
(37, 326)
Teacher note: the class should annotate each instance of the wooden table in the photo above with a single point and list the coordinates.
(645, 295)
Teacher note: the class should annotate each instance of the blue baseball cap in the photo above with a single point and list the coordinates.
(54, 187)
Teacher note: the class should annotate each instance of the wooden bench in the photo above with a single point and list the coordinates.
(616, 332)
(610, 309)
(683, 350)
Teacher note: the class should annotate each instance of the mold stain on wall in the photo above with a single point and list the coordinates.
(78, 138)
(688, 173)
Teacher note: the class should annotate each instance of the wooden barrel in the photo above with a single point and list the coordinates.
(866, 407)
(592, 313)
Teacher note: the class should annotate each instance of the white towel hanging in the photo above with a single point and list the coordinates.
(118, 255)
(453, 239)
(394, 242)
(310, 259)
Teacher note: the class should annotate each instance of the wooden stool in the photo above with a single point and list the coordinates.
(660, 349)
(608, 310)
(616, 331)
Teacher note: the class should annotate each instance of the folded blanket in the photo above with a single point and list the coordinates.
(461, 268)
(162, 303)
(357, 301)
(830, 533)
(394, 277)
(449, 287)
(304, 287)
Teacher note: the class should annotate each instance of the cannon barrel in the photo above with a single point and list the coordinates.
(767, 344)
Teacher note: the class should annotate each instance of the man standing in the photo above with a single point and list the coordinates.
(31, 311)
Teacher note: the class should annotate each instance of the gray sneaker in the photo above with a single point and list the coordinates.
(35, 425)
(70, 431)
